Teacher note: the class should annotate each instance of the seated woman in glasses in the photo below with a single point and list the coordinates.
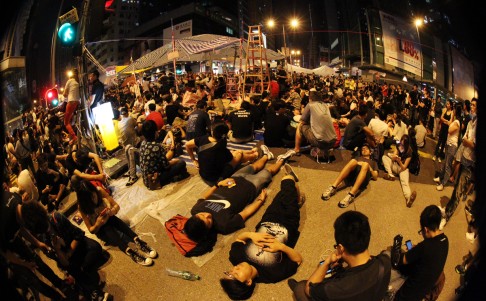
(267, 255)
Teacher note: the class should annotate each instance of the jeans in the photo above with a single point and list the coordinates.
(392, 168)
(450, 151)
(175, 170)
(116, 233)
(71, 107)
(133, 157)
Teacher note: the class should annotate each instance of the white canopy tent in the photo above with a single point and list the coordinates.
(321, 71)
(203, 47)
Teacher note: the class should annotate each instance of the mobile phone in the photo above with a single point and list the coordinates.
(103, 213)
(409, 245)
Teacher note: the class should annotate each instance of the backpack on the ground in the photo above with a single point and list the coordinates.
(187, 247)
(414, 166)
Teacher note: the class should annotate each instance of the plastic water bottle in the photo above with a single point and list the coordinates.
(183, 274)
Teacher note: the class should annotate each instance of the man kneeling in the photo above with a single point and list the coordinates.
(267, 255)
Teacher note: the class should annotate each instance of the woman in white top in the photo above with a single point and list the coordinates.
(399, 129)
(71, 92)
(450, 150)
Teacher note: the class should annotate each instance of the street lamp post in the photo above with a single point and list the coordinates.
(418, 23)
(294, 23)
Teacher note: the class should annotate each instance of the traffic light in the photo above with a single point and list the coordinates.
(67, 34)
(52, 97)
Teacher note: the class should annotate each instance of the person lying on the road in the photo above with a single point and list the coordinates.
(267, 255)
(225, 207)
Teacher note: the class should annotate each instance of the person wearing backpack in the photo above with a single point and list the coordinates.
(451, 147)
(397, 163)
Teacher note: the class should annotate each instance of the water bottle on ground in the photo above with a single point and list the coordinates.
(183, 274)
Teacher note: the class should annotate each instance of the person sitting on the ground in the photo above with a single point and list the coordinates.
(316, 125)
(214, 160)
(198, 122)
(365, 278)
(267, 255)
(278, 126)
(357, 131)
(51, 184)
(420, 133)
(158, 167)
(78, 254)
(241, 124)
(173, 139)
(424, 263)
(98, 210)
(226, 206)
(156, 116)
(396, 163)
(357, 174)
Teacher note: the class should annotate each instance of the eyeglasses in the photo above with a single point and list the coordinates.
(229, 275)
(420, 231)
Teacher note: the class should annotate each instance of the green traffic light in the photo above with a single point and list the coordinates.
(66, 33)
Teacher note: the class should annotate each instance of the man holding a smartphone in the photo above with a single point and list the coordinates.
(423, 265)
(364, 278)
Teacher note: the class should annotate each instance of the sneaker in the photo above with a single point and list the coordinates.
(144, 247)
(290, 171)
(302, 200)
(140, 259)
(389, 177)
(287, 155)
(443, 222)
(330, 191)
(470, 236)
(434, 158)
(460, 269)
(267, 152)
(132, 181)
(98, 295)
(412, 198)
(437, 180)
(439, 187)
(348, 199)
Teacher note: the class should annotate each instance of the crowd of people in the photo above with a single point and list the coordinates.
(382, 126)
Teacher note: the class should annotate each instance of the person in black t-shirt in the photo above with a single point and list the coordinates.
(365, 277)
(51, 183)
(214, 160)
(277, 124)
(357, 131)
(241, 124)
(226, 206)
(267, 255)
(424, 263)
(198, 123)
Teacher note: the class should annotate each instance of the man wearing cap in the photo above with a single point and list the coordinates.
(316, 125)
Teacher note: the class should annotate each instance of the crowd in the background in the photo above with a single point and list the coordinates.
(383, 125)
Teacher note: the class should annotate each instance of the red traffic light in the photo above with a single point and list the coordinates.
(52, 97)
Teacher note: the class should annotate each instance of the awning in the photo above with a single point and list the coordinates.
(203, 47)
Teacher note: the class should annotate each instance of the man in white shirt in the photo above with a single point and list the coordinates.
(420, 133)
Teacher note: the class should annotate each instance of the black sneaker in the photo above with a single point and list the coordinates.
(98, 295)
(140, 259)
(144, 247)
(132, 181)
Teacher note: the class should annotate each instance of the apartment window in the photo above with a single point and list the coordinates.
(229, 30)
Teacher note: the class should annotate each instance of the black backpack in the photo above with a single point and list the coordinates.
(414, 165)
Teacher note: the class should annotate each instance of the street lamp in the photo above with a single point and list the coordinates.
(294, 23)
(418, 22)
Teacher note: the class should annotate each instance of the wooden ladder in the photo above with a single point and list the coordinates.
(257, 74)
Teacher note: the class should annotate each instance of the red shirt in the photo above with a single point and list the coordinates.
(274, 89)
(157, 118)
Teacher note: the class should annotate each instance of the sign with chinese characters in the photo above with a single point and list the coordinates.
(181, 30)
(401, 44)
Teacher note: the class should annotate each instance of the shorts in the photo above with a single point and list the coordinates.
(306, 131)
(259, 179)
(351, 178)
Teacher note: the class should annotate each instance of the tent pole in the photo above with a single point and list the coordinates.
(174, 59)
